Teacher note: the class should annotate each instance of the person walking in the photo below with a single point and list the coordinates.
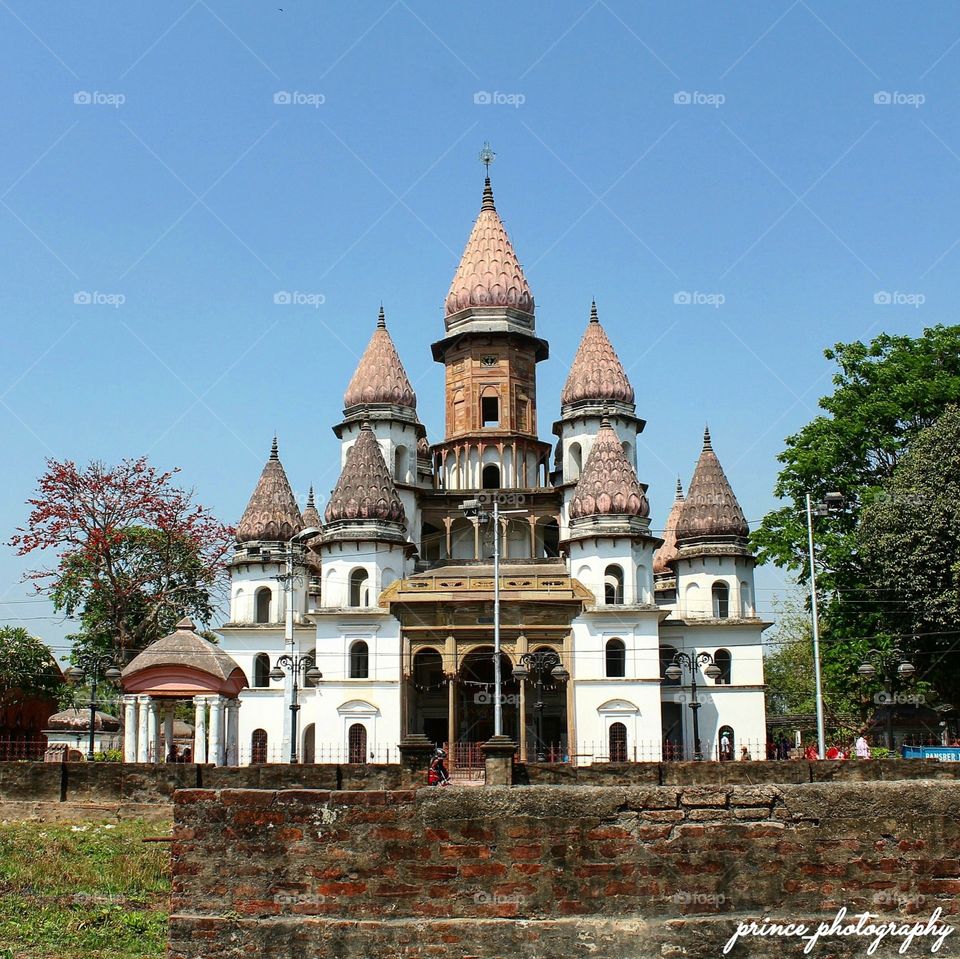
(862, 747)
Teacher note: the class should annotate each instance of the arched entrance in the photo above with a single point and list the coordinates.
(475, 697)
(430, 697)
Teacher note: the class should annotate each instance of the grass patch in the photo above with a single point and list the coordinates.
(83, 891)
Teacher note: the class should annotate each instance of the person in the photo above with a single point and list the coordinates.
(744, 753)
(437, 774)
(862, 747)
(188, 755)
(811, 752)
(783, 747)
(726, 749)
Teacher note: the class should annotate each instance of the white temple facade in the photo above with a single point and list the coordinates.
(392, 598)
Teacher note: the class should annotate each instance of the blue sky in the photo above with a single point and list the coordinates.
(731, 155)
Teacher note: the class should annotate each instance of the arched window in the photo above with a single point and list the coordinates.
(666, 658)
(258, 746)
(357, 743)
(359, 660)
(400, 458)
(576, 462)
(261, 671)
(308, 753)
(359, 588)
(489, 408)
(628, 453)
(491, 476)
(613, 585)
(721, 600)
(618, 743)
(746, 607)
(616, 659)
(263, 598)
(724, 663)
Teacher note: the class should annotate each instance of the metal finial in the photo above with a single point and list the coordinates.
(381, 320)
(274, 451)
(707, 445)
(487, 156)
(310, 503)
(593, 312)
(679, 489)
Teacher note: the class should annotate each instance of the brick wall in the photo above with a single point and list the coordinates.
(554, 871)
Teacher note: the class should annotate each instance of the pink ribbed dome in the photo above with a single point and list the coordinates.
(597, 373)
(668, 551)
(365, 490)
(380, 376)
(489, 273)
(608, 485)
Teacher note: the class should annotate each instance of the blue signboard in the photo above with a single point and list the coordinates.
(945, 754)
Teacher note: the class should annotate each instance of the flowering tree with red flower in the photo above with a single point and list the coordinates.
(135, 553)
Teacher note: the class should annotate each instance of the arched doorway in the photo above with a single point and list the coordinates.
(475, 697)
(618, 742)
(357, 743)
(308, 751)
(430, 697)
(258, 746)
(726, 744)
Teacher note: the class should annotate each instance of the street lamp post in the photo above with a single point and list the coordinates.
(675, 671)
(895, 670)
(832, 502)
(294, 665)
(287, 581)
(543, 664)
(473, 507)
(93, 667)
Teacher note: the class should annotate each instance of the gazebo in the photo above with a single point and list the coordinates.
(181, 666)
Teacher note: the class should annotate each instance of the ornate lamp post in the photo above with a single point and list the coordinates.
(93, 668)
(543, 665)
(295, 665)
(895, 671)
(675, 670)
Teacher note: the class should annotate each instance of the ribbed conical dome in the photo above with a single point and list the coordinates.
(489, 273)
(711, 512)
(272, 513)
(668, 551)
(608, 485)
(380, 376)
(310, 515)
(365, 490)
(597, 373)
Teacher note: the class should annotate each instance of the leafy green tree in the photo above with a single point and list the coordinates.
(885, 393)
(909, 539)
(28, 669)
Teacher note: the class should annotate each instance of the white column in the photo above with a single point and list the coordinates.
(167, 731)
(129, 729)
(217, 750)
(153, 730)
(199, 729)
(233, 732)
(143, 733)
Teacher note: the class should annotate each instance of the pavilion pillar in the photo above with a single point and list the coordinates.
(217, 742)
(153, 730)
(233, 732)
(476, 537)
(143, 732)
(129, 729)
(199, 729)
(167, 732)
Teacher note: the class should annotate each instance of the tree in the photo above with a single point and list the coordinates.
(135, 552)
(885, 393)
(909, 538)
(28, 669)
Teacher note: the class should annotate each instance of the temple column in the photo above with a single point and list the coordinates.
(532, 520)
(154, 731)
(217, 742)
(448, 523)
(129, 729)
(476, 537)
(504, 539)
(168, 731)
(143, 732)
(233, 732)
(199, 729)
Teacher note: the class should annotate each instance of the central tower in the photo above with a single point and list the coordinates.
(490, 352)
